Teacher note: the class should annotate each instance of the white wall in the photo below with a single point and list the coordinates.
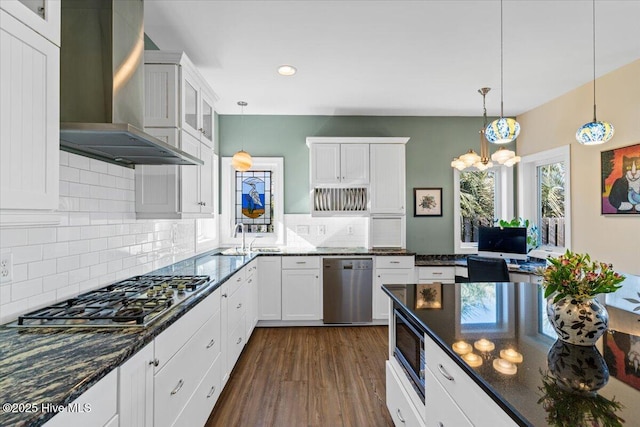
(611, 238)
(98, 241)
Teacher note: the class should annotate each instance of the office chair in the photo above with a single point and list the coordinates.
(481, 269)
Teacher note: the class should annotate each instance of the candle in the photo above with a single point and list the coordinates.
(484, 345)
(462, 347)
(504, 367)
(472, 359)
(511, 355)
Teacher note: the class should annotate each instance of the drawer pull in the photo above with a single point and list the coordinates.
(239, 305)
(444, 372)
(437, 273)
(395, 262)
(178, 387)
(301, 262)
(239, 279)
(250, 280)
(400, 417)
(239, 340)
(154, 362)
(224, 295)
(213, 341)
(440, 424)
(211, 392)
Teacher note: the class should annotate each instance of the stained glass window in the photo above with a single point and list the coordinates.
(254, 201)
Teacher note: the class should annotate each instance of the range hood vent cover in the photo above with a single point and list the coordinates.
(102, 85)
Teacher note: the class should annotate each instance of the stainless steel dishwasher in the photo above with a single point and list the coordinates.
(347, 289)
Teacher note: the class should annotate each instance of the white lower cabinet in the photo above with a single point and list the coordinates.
(301, 292)
(204, 398)
(270, 289)
(402, 411)
(442, 411)
(135, 399)
(95, 407)
(390, 270)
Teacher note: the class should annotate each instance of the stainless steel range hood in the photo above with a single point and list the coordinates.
(102, 85)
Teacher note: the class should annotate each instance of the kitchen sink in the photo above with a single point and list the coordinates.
(240, 252)
(267, 250)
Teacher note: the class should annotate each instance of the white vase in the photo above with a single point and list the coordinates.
(579, 322)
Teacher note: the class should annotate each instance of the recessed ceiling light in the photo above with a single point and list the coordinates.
(287, 70)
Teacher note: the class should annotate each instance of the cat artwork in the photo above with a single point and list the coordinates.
(625, 191)
(621, 180)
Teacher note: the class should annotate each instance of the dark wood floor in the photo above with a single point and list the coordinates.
(319, 376)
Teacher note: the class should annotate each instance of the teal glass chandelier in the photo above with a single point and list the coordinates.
(504, 129)
(595, 132)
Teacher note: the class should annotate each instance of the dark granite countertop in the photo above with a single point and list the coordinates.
(526, 267)
(507, 314)
(56, 365)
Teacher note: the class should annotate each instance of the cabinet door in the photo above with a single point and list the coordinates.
(387, 178)
(325, 164)
(270, 289)
(301, 295)
(206, 126)
(42, 16)
(206, 179)
(135, 399)
(191, 103)
(29, 118)
(441, 409)
(189, 177)
(354, 163)
(391, 276)
(157, 189)
(161, 91)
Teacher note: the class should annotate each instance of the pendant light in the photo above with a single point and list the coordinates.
(595, 132)
(242, 161)
(504, 129)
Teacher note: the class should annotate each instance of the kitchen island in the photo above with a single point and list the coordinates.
(470, 328)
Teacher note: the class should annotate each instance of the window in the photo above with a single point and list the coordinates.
(480, 197)
(253, 198)
(546, 175)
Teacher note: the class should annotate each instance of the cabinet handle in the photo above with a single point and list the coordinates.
(378, 276)
(250, 280)
(301, 262)
(444, 372)
(239, 305)
(213, 390)
(400, 417)
(437, 273)
(395, 262)
(202, 203)
(178, 387)
(239, 279)
(224, 295)
(440, 424)
(154, 362)
(213, 341)
(239, 340)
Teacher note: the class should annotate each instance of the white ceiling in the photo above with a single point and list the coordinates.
(408, 58)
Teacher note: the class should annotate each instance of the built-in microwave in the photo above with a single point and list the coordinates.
(409, 350)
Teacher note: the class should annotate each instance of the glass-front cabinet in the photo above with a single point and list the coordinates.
(43, 16)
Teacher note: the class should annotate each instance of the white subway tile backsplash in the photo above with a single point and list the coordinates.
(64, 158)
(80, 162)
(55, 250)
(89, 259)
(20, 272)
(55, 282)
(5, 293)
(13, 237)
(99, 244)
(25, 254)
(79, 275)
(26, 289)
(41, 268)
(67, 292)
(38, 301)
(68, 175)
(98, 270)
(115, 170)
(41, 235)
(79, 218)
(68, 263)
(78, 247)
(65, 234)
(98, 166)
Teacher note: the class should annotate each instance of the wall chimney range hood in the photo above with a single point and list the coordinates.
(102, 85)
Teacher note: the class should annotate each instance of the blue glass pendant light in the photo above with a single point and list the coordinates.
(504, 129)
(595, 132)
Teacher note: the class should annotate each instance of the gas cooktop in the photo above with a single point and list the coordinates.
(136, 301)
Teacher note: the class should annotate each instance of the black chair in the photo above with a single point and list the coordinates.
(481, 269)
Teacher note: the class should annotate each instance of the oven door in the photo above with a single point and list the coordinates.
(409, 350)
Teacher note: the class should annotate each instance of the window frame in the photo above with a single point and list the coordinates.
(528, 184)
(503, 205)
(228, 202)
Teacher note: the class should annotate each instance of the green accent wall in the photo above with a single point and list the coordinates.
(433, 143)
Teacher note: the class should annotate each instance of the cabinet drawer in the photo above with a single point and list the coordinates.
(399, 404)
(236, 343)
(203, 400)
(295, 262)
(395, 262)
(237, 306)
(177, 381)
(236, 281)
(436, 273)
(171, 340)
(441, 409)
(472, 400)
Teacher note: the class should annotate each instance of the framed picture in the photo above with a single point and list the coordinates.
(427, 202)
(620, 181)
(429, 296)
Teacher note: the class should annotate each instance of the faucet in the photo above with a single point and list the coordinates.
(253, 240)
(235, 233)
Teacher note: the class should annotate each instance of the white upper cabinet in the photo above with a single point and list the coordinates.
(388, 193)
(29, 120)
(339, 164)
(179, 111)
(177, 96)
(42, 16)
